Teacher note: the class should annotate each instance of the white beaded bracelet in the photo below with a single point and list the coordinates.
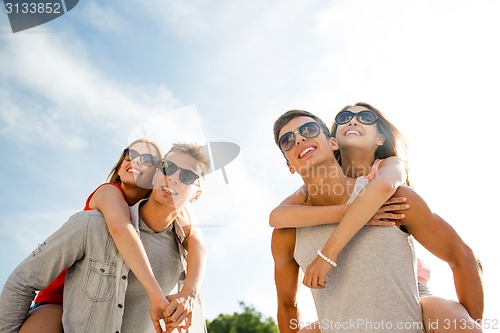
(325, 258)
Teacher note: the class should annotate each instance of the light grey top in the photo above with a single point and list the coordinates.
(163, 254)
(374, 286)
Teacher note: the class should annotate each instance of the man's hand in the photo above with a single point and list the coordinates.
(180, 308)
(386, 215)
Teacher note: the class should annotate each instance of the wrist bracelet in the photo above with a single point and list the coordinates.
(325, 258)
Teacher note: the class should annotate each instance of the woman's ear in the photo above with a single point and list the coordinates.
(380, 140)
(290, 167)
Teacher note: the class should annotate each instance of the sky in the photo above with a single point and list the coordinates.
(75, 90)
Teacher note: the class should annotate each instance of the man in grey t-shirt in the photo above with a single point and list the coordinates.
(101, 294)
(374, 286)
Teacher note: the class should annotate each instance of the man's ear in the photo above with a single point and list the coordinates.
(334, 145)
(290, 167)
(195, 196)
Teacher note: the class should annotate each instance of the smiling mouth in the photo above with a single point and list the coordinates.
(168, 190)
(134, 171)
(356, 133)
(305, 151)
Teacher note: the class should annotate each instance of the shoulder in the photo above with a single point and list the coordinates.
(391, 161)
(91, 217)
(109, 188)
(409, 194)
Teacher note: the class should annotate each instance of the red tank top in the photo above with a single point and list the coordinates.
(53, 294)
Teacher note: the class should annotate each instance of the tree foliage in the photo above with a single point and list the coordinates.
(249, 321)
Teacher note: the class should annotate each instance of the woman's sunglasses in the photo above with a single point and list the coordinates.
(308, 130)
(366, 117)
(145, 159)
(168, 168)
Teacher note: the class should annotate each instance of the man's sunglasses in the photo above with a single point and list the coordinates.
(308, 130)
(168, 168)
(145, 159)
(366, 117)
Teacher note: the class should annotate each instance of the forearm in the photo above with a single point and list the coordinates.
(467, 276)
(15, 301)
(288, 318)
(196, 262)
(131, 249)
(366, 204)
(115, 210)
(61, 250)
(294, 216)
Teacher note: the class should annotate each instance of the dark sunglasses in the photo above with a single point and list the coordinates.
(145, 159)
(168, 168)
(308, 130)
(366, 117)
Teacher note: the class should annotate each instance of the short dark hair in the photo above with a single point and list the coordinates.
(286, 117)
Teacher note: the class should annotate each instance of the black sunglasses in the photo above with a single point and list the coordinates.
(366, 117)
(145, 159)
(308, 130)
(168, 168)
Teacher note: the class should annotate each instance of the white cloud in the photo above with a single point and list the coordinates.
(66, 91)
(103, 17)
(186, 19)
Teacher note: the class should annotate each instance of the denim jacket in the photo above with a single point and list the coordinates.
(96, 281)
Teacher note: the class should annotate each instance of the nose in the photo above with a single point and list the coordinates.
(137, 161)
(174, 178)
(298, 138)
(353, 121)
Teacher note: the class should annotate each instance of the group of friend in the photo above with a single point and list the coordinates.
(133, 262)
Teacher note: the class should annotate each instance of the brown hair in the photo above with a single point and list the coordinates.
(394, 139)
(195, 151)
(113, 176)
(286, 117)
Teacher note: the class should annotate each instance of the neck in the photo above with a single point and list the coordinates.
(157, 217)
(357, 164)
(327, 185)
(134, 194)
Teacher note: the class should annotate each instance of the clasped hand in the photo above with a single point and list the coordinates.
(175, 310)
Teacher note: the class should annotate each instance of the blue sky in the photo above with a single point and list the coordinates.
(74, 90)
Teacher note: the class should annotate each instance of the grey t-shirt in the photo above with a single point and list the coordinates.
(163, 253)
(373, 288)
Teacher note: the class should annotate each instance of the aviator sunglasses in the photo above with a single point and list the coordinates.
(168, 168)
(308, 130)
(145, 159)
(366, 117)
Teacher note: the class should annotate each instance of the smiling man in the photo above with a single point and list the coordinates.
(101, 294)
(373, 287)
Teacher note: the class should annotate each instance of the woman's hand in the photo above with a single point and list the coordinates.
(315, 276)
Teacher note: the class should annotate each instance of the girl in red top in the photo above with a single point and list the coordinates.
(129, 181)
